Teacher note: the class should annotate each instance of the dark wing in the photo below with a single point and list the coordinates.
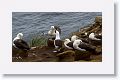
(70, 44)
(86, 40)
(86, 46)
(53, 38)
(58, 43)
(98, 36)
(21, 44)
(58, 29)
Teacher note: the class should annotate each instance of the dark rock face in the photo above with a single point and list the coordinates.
(98, 19)
(95, 42)
(98, 50)
(82, 55)
(67, 56)
(19, 53)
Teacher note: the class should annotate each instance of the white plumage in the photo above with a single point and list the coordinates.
(68, 44)
(19, 43)
(74, 37)
(52, 31)
(92, 37)
(76, 44)
(57, 41)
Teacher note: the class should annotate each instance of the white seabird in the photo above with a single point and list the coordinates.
(57, 41)
(68, 44)
(76, 44)
(19, 43)
(79, 45)
(93, 37)
(52, 31)
(74, 37)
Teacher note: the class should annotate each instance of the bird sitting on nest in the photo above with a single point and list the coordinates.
(79, 44)
(20, 44)
(82, 46)
(52, 31)
(74, 37)
(68, 44)
(95, 39)
(92, 36)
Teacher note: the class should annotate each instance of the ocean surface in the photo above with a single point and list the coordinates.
(37, 23)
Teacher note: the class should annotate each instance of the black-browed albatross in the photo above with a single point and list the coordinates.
(68, 44)
(57, 41)
(19, 43)
(52, 31)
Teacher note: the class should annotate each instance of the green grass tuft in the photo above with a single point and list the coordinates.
(38, 41)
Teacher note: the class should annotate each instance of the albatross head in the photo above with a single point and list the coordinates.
(77, 42)
(20, 35)
(66, 41)
(74, 37)
(52, 28)
(86, 33)
(91, 36)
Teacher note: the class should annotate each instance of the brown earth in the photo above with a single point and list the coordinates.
(46, 54)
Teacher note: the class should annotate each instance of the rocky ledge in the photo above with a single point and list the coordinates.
(46, 54)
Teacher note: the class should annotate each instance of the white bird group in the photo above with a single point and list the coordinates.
(78, 44)
(74, 43)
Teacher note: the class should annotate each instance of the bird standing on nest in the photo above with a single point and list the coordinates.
(57, 41)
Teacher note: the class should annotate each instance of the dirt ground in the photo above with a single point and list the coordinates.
(46, 54)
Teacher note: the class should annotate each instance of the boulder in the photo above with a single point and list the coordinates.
(98, 50)
(95, 42)
(67, 56)
(19, 53)
(82, 55)
(98, 19)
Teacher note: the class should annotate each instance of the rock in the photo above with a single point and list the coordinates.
(98, 50)
(61, 50)
(98, 19)
(96, 58)
(23, 54)
(47, 59)
(67, 56)
(82, 55)
(95, 42)
(19, 53)
(14, 52)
